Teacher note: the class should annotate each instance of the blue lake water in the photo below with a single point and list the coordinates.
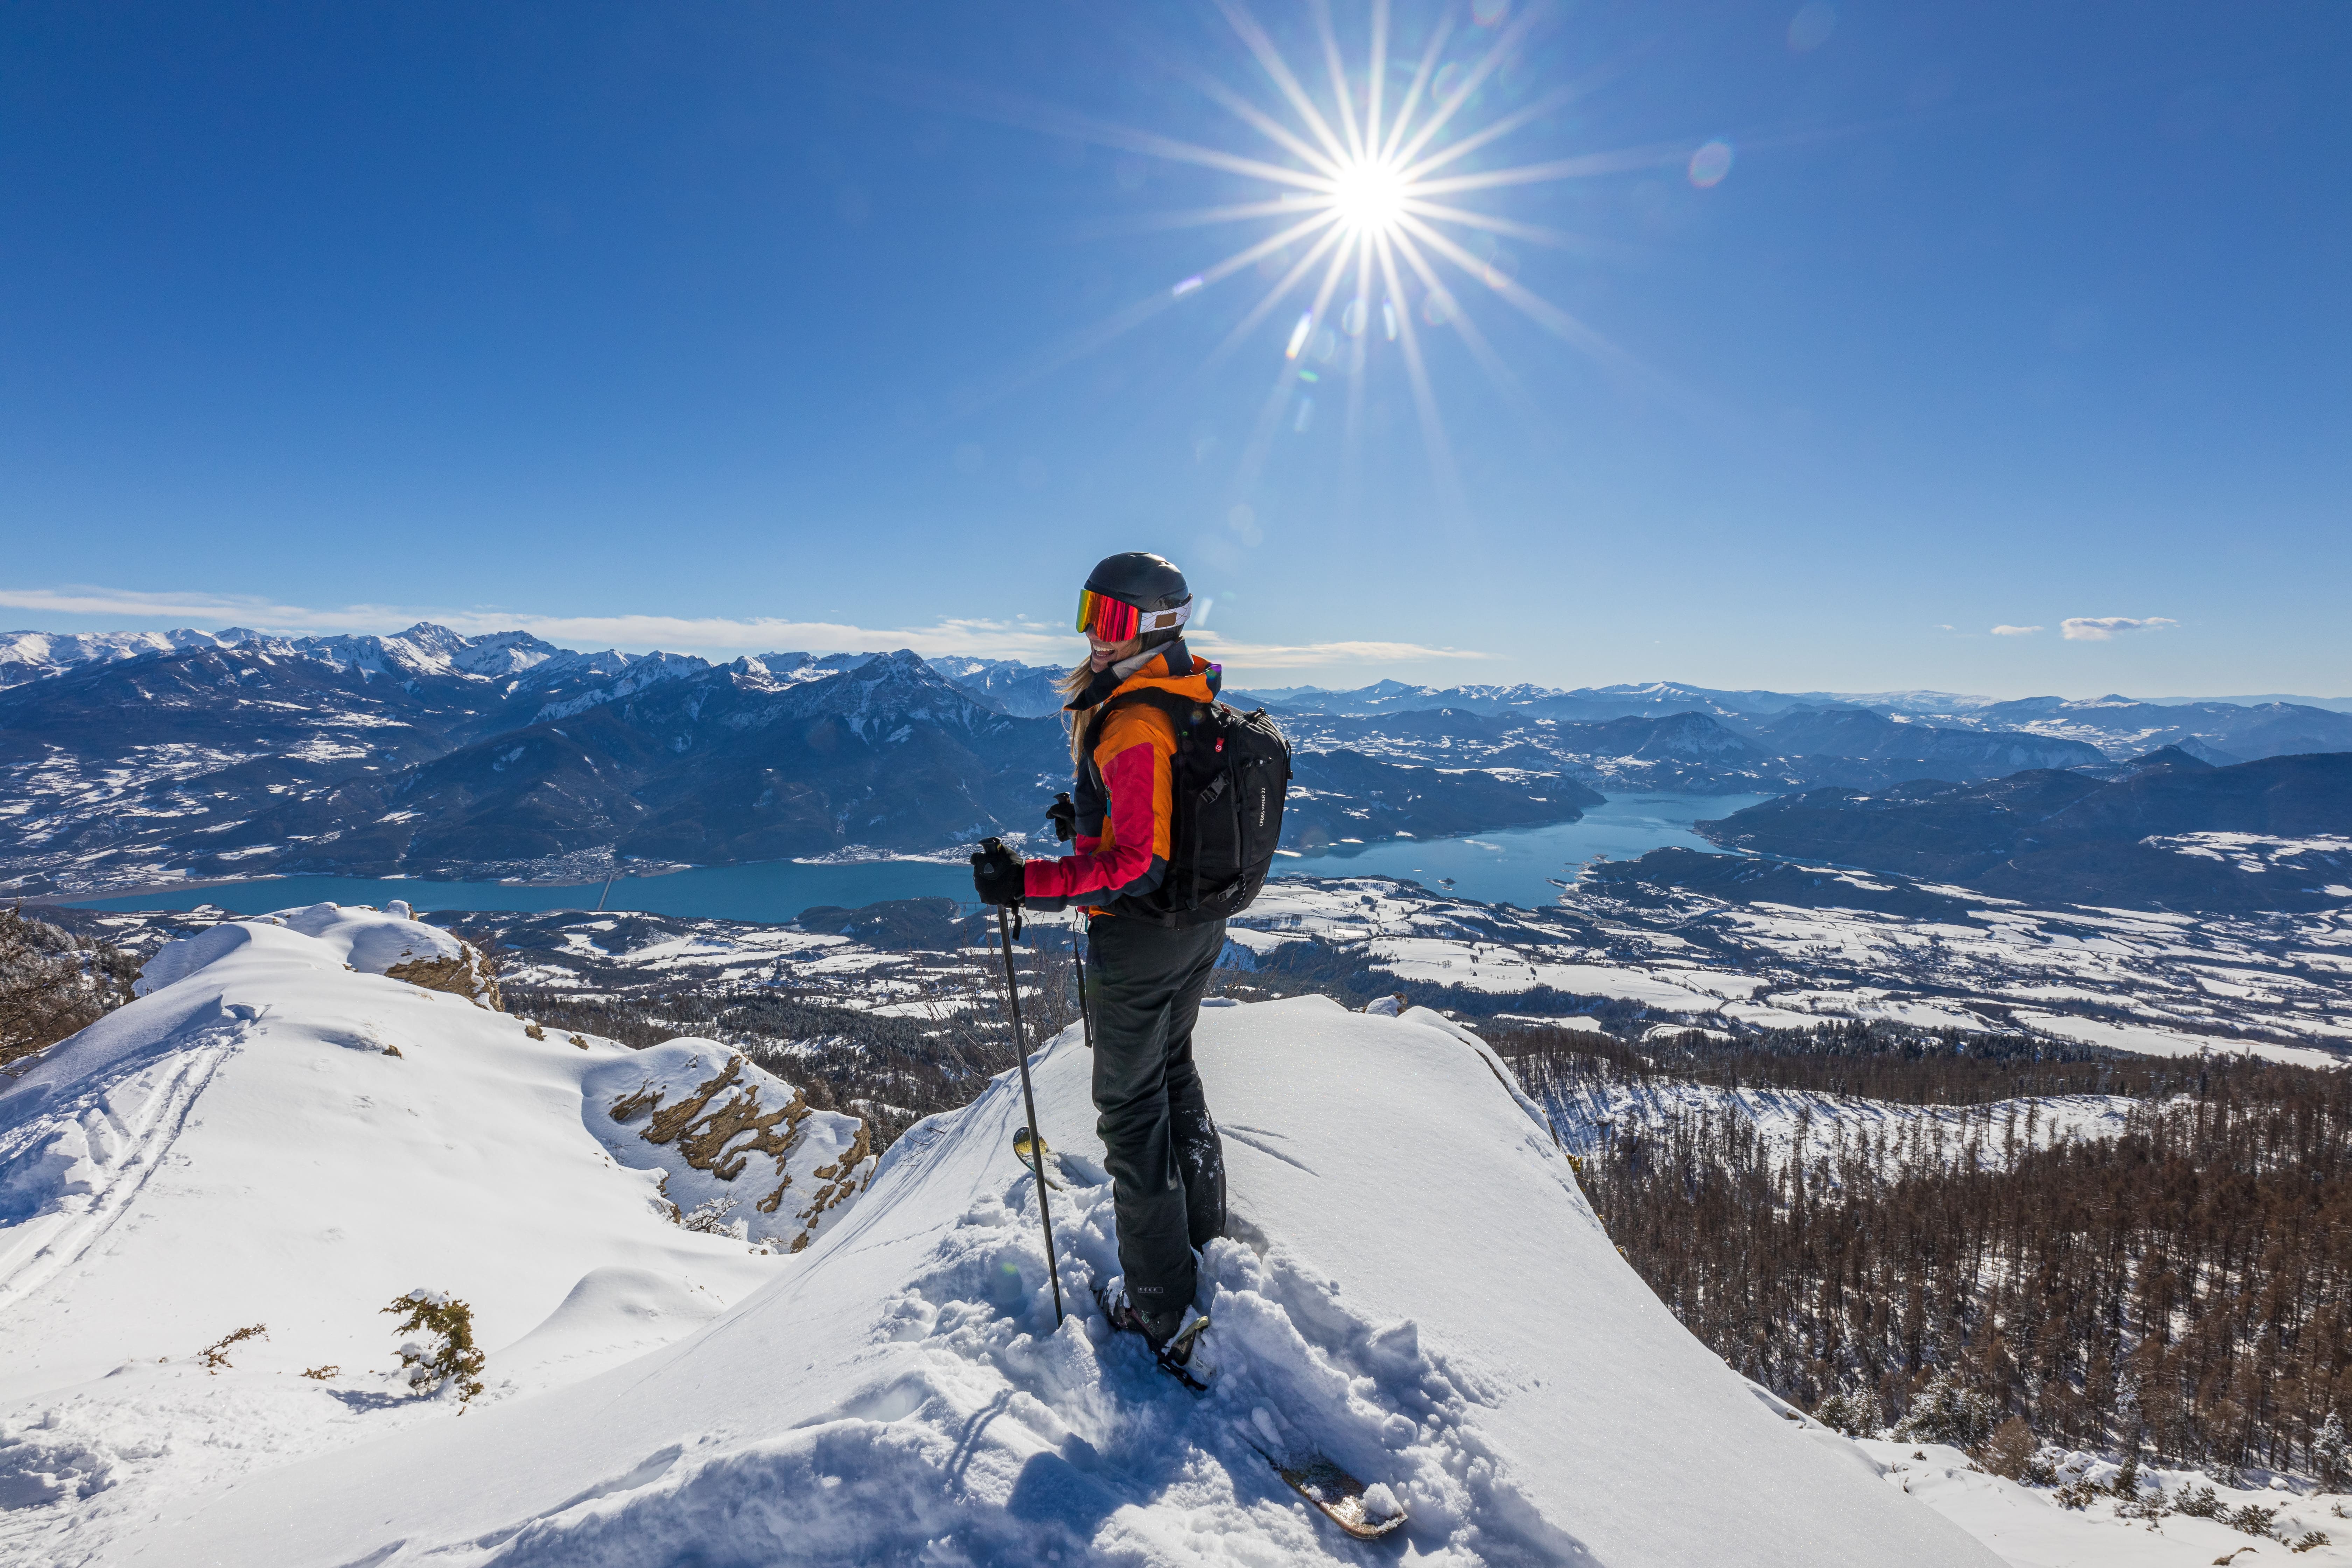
(1508, 867)
(1513, 866)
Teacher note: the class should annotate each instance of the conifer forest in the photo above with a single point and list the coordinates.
(2182, 1289)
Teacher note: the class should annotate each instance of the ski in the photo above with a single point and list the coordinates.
(1021, 1152)
(1337, 1495)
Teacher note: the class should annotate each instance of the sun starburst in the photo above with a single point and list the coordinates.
(1370, 197)
(1369, 210)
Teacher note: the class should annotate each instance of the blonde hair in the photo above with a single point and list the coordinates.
(1082, 721)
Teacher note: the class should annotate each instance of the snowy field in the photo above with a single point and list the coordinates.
(2033, 1527)
(2278, 988)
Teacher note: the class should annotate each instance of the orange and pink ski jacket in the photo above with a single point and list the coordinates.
(1124, 796)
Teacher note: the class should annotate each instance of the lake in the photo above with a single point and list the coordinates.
(1508, 867)
(1512, 865)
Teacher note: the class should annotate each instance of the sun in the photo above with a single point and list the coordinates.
(1371, 197)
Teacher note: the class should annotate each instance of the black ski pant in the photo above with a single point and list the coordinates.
(1167, 1164)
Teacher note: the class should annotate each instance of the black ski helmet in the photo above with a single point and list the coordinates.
(1145, 580)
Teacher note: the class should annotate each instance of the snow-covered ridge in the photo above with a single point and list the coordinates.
(424, 649)
(30, 656)
(900, 1392)
(282, 1131)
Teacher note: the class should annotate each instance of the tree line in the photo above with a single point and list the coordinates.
(2182, 1289)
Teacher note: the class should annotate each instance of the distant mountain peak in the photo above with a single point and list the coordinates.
(2168, 757)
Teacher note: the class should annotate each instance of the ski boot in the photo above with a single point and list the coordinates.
(1174, 1352)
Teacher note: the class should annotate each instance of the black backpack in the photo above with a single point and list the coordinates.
(1228, 779)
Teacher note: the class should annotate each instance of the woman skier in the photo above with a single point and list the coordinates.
(1167, 1165)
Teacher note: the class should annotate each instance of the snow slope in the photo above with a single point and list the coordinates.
(2034, 1527)
(1414, 1278)
(1825, 1126)
(267, 1136)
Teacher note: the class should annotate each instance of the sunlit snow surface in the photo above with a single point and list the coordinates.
(270, 1137)
(2030, 1529)
(1414, 1281)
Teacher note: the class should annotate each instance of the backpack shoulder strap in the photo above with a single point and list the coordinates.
(1180, 710)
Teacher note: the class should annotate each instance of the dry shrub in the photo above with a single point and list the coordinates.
(2010, 1449)
(216, 1353)
(449, 1353)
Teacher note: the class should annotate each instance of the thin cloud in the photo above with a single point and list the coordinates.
(2103, 629)
(1309, 655)
(2018, 631)
(678, 634)
(263, 614)
(727, 637)
(712, 634)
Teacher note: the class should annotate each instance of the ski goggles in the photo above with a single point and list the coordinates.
(1115, 620)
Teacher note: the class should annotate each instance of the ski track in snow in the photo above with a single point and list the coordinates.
(101, 1161)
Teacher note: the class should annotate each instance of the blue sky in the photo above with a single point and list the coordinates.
(734, 326)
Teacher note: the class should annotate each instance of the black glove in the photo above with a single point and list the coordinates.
(996, 873)
(1064, 817)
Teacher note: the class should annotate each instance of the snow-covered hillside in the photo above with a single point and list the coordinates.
(1413, 1280)
(2161, 985)
(281, 1133)
(1826, 1126)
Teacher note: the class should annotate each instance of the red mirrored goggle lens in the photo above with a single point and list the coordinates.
(1103, 616)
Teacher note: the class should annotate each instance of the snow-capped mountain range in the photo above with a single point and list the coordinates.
(2216, 731)
(129, 759)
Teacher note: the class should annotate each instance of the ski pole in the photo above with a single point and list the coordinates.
(1029, 1098)
(1085, 1011)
